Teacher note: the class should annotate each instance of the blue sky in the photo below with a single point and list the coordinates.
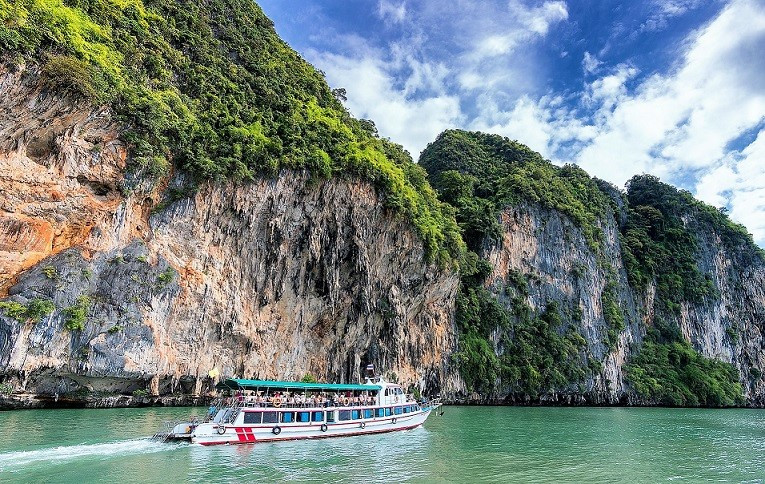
(675, 88)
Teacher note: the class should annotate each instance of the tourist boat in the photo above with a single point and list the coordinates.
(267, 411)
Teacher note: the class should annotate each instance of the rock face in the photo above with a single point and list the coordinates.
(552, 254)
(730, 327)
(271, 279)
(60, 166)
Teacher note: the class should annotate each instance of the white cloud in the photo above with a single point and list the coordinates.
(590, 63)
(391, 12)
(665, 10)
(684, 120)
(370, 83)
(738, 182)
(412, 99)
(527, 23)
(520, 26)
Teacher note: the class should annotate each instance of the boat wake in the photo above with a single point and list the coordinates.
(64, 453)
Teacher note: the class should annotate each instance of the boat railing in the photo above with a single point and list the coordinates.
(237, 404)
(166, 431)
(327, 404)
(431, 402)
(163, 434)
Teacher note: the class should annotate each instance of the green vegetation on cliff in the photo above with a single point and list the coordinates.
(502, 172)
(659, 241)
(34, 311)
(668, 371)
(660, 245)
(536, 358)
(210, 87)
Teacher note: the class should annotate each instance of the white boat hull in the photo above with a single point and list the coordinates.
(208, 433)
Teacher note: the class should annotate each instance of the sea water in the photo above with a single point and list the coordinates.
(465, 444)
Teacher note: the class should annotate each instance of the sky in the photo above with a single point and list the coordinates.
(674, 88)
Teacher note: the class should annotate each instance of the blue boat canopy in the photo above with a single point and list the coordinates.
(241, 384)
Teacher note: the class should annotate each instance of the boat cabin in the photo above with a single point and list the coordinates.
(270, 402)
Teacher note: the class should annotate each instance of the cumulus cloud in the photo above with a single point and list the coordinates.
(529, 22)
(521, 25)
(412, 98)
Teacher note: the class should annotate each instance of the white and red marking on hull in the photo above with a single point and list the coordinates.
(245, 438)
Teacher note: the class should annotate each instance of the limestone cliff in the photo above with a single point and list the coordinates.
(551, 253)
(581, 277)
(274, 278)
(547, 249)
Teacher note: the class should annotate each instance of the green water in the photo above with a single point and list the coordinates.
(466, 444)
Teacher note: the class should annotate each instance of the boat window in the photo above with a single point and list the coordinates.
(406, 409)
(368, 413)
(354, 414)
(288, 417)
(387, 412)
(345, 415)
(318, 416)
(304, 416)
(252, 417)
(398, 410)
(331, 416)
(270, 417)
(380, 412)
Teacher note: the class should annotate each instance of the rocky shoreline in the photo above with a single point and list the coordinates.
(29, 401)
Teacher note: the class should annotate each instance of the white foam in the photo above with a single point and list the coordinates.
(64, 453)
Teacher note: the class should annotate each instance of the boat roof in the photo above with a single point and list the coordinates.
(242, 384)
